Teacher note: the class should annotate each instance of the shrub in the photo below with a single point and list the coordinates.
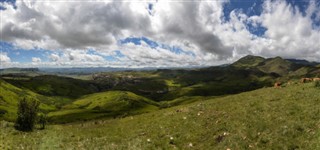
(27, 115)
(317, 84)
(2, 112)
(42, 120)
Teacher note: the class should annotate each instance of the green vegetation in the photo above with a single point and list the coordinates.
(277, 65)
(27, 115)
(168, 108)
(42, 120)
(105, 104)
(248, 61)
(286, 118)
(56, 86)
(10, 96)
(317, 84)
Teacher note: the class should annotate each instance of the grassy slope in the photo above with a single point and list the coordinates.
(213, 81)
(105, 104)
(50, 85)
(161, 85)
(285, 118)
(277, 65)
(9, 100)
(248, 61)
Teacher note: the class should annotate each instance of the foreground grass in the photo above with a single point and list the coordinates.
(269, 118)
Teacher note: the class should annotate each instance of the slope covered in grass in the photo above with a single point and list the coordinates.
(268, 118)
(248, 61)
(10, 96)
(105, 104)
(278, 66)
(51, 85)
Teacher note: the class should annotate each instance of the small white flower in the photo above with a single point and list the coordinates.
(148, 140)
(171, 138)
(190, 145)
(225, 133)
(184, 118)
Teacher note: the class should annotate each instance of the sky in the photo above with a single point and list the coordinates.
(155, 33)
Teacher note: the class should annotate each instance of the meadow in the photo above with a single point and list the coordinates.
(221, 107)
(273, 118)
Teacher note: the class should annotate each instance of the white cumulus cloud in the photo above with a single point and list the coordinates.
(4, 58)
(36, 59)
(196, 26)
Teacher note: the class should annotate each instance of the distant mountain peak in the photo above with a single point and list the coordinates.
(278, 57)
(248, 61)
(303, 62)
(276, 65)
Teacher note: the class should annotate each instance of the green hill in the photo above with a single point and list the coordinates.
(306, 71)
(268, 118)
(315, 72)
(10, 96)
(277, 65)
(248, 61)
(51, 85)
(105, 104)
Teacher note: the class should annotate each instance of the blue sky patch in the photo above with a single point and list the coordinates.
(250, 8)
(11, 2)
(150, 7)
(22, 55)
(115, 57)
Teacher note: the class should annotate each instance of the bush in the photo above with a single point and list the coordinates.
(317, 84)
(27, 115)
(2, 112)
(42, 120)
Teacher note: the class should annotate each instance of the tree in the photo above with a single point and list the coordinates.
(27, 114)
(42, 120)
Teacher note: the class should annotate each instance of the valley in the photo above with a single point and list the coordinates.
(232, 106)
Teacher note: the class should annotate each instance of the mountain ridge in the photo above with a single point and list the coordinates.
(277, 65)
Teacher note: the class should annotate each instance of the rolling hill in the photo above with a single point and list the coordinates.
(248, 61)
(272, 118)
(279, 67)
(171, 108)
(10, 96)
(106, 104)
(248, 73)
(51, 85)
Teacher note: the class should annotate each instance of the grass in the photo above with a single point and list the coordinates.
(105, 104)
(276, 65)
(248, 61)
(50, 85)
(182, 101)
(10, 96)
(268, 118)
(317, 84)
(160, 85)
